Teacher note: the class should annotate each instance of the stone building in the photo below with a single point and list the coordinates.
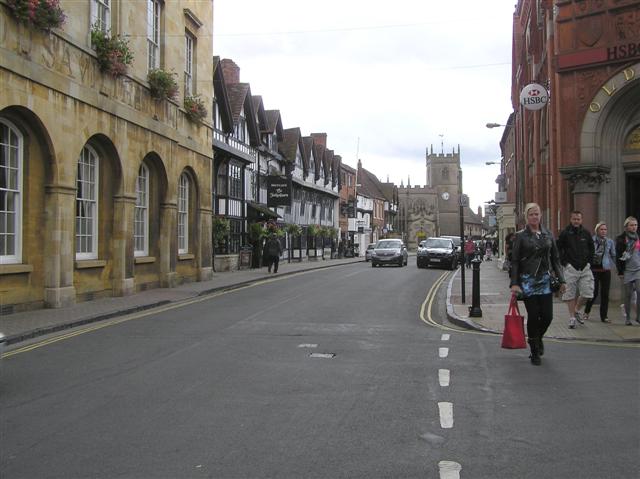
(109, 188)
(434, 209)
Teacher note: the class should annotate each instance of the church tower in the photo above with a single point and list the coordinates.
(443, 176)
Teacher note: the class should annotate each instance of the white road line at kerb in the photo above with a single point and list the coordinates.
(449, 470)
(444, 376)
(446, 414)
(443, 352)
(445, 337)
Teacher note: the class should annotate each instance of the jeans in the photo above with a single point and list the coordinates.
(539, 314)
(602, 281)
(629, 289)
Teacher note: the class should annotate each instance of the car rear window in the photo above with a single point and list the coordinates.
(438, 243)
(388, 244)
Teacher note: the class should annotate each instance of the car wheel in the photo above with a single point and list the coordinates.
(373, 265)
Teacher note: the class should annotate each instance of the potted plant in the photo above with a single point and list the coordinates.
(162, 84)
(113, 52)
(293, 230)
(194, 106)
(221, 227)
(41, 14)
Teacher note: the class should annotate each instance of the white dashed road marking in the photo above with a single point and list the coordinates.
(444, 376)
(445, 337)
(446, 415)
(443, 352)
(449, 470)
(307, 345)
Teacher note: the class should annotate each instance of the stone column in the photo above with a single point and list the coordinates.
(205, 245)
(59, 247)
(122, 244)
(168, 244)
(585, 181)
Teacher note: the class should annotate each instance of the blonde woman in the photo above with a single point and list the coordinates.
(533, 256)
(628, 264)
(604, 260)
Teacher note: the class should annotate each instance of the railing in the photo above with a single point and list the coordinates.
(235, 143)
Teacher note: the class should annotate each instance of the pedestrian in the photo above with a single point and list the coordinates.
(533, 257)
(508, 245)
(488, 249)
(576, 253)
(272, 251)
(628, 265)
(604, 260)
(469, 251)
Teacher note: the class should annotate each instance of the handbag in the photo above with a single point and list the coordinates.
(513, 334)
(554, 282)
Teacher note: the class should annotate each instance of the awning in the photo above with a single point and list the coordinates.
(263, 210)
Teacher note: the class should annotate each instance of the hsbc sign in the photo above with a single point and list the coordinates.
(534, 97)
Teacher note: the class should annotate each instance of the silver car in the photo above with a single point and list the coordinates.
(389, 251)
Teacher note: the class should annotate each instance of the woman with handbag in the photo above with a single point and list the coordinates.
(604, 260)
(534, 259)
(628, 265)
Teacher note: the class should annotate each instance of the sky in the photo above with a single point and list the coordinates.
(385, 80)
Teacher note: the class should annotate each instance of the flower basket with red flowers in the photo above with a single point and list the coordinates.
(163, 84)
(194, 106)
(113, 52)
(41, 14)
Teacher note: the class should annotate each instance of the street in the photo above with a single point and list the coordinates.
(345, 372)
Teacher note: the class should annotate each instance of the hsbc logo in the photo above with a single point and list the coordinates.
(534, 97)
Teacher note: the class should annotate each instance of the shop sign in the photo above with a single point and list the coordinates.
(278, 191)
(534, 97)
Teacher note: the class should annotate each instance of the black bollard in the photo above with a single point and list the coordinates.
(474, 309)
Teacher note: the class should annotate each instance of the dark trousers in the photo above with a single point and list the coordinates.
(539, 314)
(273, 261)
(601, 279)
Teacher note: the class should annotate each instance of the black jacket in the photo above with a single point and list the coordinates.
(576, 247)
(534, 254)
(621, 246)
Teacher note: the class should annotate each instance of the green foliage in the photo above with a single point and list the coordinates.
(294, 230)
(221, 229)
(163, 84)
(113, 52)
(257, 232)
(195, 109)
(313, 231)
(41, 14)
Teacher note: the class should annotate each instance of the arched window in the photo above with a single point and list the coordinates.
(87, 187)
(183, 214)
(141, 215)
(11, 146)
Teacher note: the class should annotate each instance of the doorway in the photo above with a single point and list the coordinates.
(633, 195)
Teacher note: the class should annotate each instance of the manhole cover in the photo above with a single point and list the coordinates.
(323, 355)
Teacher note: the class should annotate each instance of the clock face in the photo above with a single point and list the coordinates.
(445, 196)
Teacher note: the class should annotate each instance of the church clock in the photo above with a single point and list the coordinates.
(445, 195)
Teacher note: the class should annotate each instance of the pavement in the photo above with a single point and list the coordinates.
(494, 301)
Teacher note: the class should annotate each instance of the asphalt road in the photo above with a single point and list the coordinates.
(228, 387)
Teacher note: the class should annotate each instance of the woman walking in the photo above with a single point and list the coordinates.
(603, 262)
(533, 256)
(628, 264)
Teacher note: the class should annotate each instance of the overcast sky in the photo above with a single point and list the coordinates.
(389, 76)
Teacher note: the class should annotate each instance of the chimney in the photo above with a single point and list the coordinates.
(320, 138)
(230, 71)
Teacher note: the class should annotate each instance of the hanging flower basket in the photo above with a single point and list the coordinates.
(194, 106)
(114, 54)
(163, 84)
(41, 14)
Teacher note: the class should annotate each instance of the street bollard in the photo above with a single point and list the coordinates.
(474, 309)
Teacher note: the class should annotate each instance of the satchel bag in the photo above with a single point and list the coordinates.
(554, 282)
(513, 334)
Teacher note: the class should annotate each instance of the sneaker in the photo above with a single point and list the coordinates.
(627, 322)
(579, 317)
(572, 323)
(606, 320)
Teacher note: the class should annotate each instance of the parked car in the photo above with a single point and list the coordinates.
(369, 251)
(437, 252)
(389, 251)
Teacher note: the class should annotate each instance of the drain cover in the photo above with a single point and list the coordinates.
(323, 355)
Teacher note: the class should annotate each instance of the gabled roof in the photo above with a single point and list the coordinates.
(292, 139)
(274, 123)
(222, 97)
(326, 164)
(335, 170)
(261, 115)
(389, 190)
(371, 186)
(347, 168)
(318, 152)
(239, 97)
(307, 143)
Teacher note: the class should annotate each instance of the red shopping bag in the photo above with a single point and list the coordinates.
(513, 334)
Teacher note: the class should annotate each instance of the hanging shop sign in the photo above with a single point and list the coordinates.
(278, 191)
(534, 97)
